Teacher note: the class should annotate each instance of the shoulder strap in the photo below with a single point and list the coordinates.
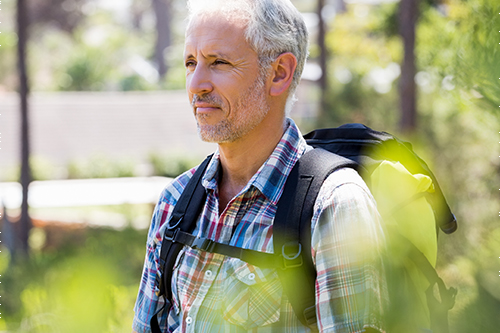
(292, 228)
(184, 217)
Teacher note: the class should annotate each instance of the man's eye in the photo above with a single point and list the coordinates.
(190, 64)
(220, 62)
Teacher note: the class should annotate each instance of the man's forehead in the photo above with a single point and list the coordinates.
(209, 18)
(216, 34)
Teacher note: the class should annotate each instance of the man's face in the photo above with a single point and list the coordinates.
(222, 79)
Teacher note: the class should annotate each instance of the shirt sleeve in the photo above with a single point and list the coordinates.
(347, 240)
(147, 302)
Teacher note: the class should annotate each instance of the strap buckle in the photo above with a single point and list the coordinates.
(291, 258)
(170, 235)
(310, 315)
(203, 244)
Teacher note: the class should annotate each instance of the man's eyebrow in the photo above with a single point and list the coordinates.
(210, 55)
(218, 55)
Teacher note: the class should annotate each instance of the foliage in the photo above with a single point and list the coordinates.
(41, 169)
(100, 166)
(171, 166)
(457, 62)
(478, 54)
(8, 42)
(102, 58)
(80, 45)
(363, 64)
(79, 288)
(86, 70)
(471, 56)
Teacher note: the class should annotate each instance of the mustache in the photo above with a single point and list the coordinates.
(210, 99)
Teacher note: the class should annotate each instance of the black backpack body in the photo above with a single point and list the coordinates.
(351, 145)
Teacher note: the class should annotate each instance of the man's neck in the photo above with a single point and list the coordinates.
(241, 159)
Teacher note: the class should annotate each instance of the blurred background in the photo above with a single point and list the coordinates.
(107, 123)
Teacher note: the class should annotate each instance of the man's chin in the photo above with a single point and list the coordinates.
(214, 133)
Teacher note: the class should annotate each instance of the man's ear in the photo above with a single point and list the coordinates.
(282, 76)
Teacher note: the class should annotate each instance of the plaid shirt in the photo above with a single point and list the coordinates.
(215, 293)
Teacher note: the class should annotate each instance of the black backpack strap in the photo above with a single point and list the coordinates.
(256, 258)
(292, 228)
(438, 306)
(184, 217)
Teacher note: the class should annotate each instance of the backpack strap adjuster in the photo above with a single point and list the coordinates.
(204, 244)
(291, 253)
(185, 238)
(170, 234)
(310, 315)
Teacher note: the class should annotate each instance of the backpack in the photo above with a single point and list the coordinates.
(414, 287)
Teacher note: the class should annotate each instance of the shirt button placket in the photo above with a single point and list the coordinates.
(189, 323)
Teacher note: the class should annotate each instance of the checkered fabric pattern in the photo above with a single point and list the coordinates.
(215, 293)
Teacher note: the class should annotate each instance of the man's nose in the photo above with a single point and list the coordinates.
(198, 82)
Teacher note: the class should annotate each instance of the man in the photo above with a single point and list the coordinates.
(243, 62)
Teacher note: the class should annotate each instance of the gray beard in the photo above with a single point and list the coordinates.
(252, 101)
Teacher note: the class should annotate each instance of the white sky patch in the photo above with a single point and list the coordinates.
(381, 78)
(120, 8)
(311, 20)
(447, 83)
(114, 5)
(361, 11)
(343, 75)
(96, 36)
(424, 81)
(312, 72)
(144, 69)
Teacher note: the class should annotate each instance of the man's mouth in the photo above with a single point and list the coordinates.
(202, 107)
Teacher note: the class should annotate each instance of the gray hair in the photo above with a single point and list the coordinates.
(273, 27)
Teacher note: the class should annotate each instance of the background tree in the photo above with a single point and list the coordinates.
(407, 18)
(322, 59)
(22, 32)
(163, 14)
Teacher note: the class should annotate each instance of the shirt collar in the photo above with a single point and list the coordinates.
(271, 176)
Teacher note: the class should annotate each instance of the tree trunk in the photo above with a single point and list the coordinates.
(22, 32)
(408, 17)
(9, 235)
(323, 57)
(340, 6)
(163, 14)
(137, 12)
